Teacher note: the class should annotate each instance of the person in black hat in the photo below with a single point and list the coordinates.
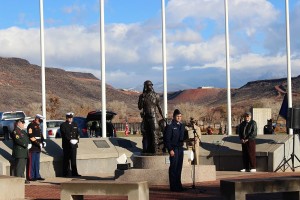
(247, 133)
(70, 139)
(21, 144)
(174, 143)
(37, 140)
(269, 128)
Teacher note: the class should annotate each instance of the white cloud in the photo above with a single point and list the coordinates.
(195, 40)
(160, 68)
(75, 8)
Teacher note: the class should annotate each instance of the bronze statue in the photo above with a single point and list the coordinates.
(149, 103)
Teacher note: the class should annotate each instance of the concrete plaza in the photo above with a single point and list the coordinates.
(50, 188)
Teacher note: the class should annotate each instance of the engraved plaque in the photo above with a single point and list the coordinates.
(101, 143)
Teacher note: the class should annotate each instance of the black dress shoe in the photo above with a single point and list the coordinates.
(183, 189)
(40, 179)
(32, 179)
(179, 190)
(27, 182)
(76, 175)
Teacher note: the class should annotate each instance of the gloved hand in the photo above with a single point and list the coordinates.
(41, 145)
(44, 144)
(29, 146)
(73, 141)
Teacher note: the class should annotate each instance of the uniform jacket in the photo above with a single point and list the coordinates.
(68, 132)
(248, 130)
(37, 134)
(174, 135)
(20, 143)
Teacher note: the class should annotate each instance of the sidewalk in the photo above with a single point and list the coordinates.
(50, 188)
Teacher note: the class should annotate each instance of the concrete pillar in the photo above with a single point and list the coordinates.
(261, 115)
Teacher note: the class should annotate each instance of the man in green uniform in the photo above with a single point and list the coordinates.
(21, 144)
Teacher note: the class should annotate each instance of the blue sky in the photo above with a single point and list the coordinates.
(195, 39)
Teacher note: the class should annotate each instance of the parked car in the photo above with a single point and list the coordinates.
(7, 122)
(94, 118)
(82, 126)
(53, 128)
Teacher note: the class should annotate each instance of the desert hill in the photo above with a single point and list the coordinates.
(20, 87)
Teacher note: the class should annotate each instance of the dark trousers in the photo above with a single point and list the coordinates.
(175, 169)
(34, 165)
(69, 154)
(20, 164)
(249, 154)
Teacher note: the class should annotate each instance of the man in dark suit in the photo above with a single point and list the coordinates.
(70, 140)
(173, 140)
(247, 133)
(21, 144)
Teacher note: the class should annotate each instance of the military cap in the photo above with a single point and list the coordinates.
(69, 115)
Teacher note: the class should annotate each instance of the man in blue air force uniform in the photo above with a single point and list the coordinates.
(174, 143)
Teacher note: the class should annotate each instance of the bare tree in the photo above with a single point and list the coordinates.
(120, 108)
(53, 107)
(191, 110)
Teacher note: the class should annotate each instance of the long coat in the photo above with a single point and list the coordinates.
(20, 143)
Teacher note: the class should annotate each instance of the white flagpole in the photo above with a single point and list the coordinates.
(42, 46)
(288, 52)
(102, 49)
(227, 71)
(164, 57)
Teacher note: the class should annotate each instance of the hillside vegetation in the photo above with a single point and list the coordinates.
(20, 87)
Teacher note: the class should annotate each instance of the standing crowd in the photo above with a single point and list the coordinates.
(27, 147)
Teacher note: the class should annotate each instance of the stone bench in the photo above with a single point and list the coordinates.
(12, 187)
(76, 189)
(238, 189)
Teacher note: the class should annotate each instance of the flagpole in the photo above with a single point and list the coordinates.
(227, 70)
(102, 49)
(164, 57)
(289, 79)
(42, 46)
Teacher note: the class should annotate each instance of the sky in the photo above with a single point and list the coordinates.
(195, 33)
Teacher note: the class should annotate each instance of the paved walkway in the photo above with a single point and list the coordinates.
(50, 188)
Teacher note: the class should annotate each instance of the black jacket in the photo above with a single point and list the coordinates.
(174, 135)
(20, 143)
(36, 133)
(248, 130)
(68, 132)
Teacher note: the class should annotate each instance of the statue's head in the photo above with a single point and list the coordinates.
(148, 86)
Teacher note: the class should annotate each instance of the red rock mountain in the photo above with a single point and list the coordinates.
(20, 87)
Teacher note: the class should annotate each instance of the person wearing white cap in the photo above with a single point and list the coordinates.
(70, 138)
(247, 132)
(37, 140)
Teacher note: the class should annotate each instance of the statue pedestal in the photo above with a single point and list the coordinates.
(155, 170)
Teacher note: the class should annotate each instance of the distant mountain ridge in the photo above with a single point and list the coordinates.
(20, 87)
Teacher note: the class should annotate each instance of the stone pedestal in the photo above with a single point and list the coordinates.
(12, 187)
(155, 170)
